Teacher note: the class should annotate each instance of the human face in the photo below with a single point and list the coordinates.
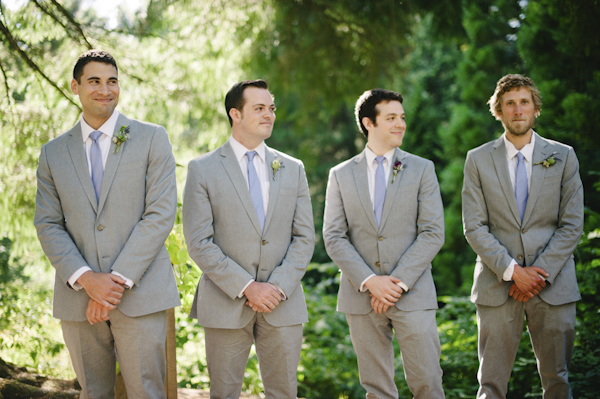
(518, 112)
(388, 131)
(98, 92)
(255, 122)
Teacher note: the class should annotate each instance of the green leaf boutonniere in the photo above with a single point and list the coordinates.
(549, 161)
(276, 165)
(397, 168)
(121, 137)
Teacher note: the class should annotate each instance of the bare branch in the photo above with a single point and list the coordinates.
(13, 44)
(75, 24)
(6, 84)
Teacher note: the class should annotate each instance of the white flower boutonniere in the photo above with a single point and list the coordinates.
(121, 137)
(276, 165)
(549, 161)
(397, 168)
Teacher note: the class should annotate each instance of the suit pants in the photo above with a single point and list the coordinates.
(552, 333)
(137, 343)
(416, 333)
(278, 351)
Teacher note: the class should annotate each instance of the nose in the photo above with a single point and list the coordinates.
(103, 88)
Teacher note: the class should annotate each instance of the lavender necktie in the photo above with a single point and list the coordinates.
(96, 162)
(521, 190)
(379, 197)
(255, 190)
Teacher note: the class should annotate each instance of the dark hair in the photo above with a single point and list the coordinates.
(92, 56)
(235, 95)
(366, 105)
(511, 82)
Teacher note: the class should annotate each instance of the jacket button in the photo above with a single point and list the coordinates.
(264, 242)
(523, 231)
(380, 238)
(100, 227)
(377, 264)
(519, 256)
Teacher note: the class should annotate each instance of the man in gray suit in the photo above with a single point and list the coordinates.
(105, 203)
(383, 225)
(248, 224)
(523, 216)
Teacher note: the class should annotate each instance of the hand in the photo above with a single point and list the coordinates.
(385, 289)
(95, 312)
(262, 297)
(105, 288)
(378, 306)
(529, 280)
(517, 294)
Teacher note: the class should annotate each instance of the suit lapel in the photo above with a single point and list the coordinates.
(540, 152)
(359, 169)
(112, 161)
(232, 168)
(275, 184)
(77, 152)
(501, 166)
(392, 189)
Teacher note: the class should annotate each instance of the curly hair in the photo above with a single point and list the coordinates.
(512, 82)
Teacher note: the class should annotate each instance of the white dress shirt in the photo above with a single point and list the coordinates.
(371, 170)
(104, 142)
(511, 157)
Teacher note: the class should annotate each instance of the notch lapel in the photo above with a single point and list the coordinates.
(540, 152)
(361, 181)
(76, 150)
(393, 188)
(501, 166)
(275, 184)
(113, 160)
(232, 168)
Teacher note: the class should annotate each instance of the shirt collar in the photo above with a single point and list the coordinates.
(107, 128)
(239, 150)
(527, 150)
(370, 155)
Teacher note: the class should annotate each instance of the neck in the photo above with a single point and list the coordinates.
(378, 149)
(246, 142)
(519, 141)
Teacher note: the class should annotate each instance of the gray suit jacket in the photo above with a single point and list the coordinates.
(410, 235)
(551, 227)
(125, 231)
(223, 237)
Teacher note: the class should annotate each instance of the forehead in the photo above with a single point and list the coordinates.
(519, 93)
(389, 107)
(257, 95)
(99, 69)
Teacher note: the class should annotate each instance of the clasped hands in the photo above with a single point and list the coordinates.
(384, 292)
(528, 282)
(105, 291)
(262, 297)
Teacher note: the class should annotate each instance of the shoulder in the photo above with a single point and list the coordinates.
(285, 158)
(553, 144)
(485, 148)
(348, 164)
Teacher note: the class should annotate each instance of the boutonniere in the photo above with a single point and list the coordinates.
(121, 137)
(276, 165)
(397, 168)
(549, 161)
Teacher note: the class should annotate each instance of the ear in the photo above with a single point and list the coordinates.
(367, 122)
(74, 87)
(235, 115)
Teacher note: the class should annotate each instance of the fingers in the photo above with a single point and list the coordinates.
(96, 313)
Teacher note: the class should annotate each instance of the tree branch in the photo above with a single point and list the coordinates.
(13, 44)
(70, 18)
(6, 84)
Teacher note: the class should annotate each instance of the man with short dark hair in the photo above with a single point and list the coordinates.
(105, 204)
(248, 224)
(383, 225)
(522, 202)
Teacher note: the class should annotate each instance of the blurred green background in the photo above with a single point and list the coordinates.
(178, 58)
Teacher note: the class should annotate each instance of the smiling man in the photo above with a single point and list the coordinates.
(248, 224)
(522, 202)
(105, 204)
(383, 225)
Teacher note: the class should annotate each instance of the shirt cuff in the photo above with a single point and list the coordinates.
(75, 276)
(403, 286)
(128, 282)
(508, 273)
(362, 285)
(283, 296)
(241, 294)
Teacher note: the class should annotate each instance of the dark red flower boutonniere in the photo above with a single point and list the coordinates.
(549, 161)
(397, 168)
(121, 137)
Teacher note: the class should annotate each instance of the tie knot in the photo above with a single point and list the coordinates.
(520, 156)
(95, 135)
(250, 155)
(380, 159)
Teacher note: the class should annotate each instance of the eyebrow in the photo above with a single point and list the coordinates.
(98, 78)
